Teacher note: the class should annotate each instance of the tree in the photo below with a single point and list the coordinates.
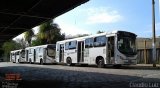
(9, 46)
(49, 32)
(82, 35)
(28, 36)
(77, 36)
(22, 43)
(1, 52)
(98, 32)
(36, 42)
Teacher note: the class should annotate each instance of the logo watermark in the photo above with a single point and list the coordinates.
(14, 77)
(9, 85)
(144, 84)
(11, 81)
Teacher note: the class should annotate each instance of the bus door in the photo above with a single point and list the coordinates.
(61, 53)
(15, 56)
(27, 56)
(34, 53)
(80, 51)
(111, 45)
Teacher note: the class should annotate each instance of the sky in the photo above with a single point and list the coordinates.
(109, 15)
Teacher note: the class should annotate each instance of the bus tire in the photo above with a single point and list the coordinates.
(69, 61)
(84, 65)
(41, 62)
(117, 66)
(100, 63)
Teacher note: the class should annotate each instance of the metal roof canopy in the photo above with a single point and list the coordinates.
(17, 16)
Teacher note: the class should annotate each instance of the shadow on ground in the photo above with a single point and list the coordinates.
(37, 77)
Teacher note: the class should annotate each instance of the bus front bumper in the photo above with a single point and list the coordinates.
(127, 62)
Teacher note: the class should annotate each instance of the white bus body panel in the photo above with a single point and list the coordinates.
(17, 58)
(29, 54)
(70, 54)
(38, 53)
(12, 56)
(49, 60)
(22, 59)
(90, 54)
(13, 59)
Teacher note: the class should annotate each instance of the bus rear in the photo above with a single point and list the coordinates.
(51, 53)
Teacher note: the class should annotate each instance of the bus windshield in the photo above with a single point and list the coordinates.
(127, 45)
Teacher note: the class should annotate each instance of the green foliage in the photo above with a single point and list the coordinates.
(49, 33)
(36, 42)
(28, 36)
(98, 32)
(82, 35)
(1, 52)
(9, 46)
(77, 36)
(21, 43)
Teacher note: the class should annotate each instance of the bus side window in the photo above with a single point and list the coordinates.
(89, 43)
(18, 53)
(96, 43)
(103, 40)
(66, 45)
(100, 41)
(72, 45)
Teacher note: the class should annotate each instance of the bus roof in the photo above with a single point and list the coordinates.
(16, 50)
(44, 46)
(81, 38)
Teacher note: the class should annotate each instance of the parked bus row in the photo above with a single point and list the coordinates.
(114, 48)
(37, 54)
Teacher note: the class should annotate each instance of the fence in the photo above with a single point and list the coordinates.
(145, 56)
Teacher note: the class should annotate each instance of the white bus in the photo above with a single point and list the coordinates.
(30, 54)
(17, 56)
(116, 48)
(41, 54)
(12, 56)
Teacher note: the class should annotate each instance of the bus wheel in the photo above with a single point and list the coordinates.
(117, 66)
(84, 65)
(41, 62)
(69, 61)
(100, 63)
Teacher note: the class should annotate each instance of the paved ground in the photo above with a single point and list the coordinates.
(59, 76)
